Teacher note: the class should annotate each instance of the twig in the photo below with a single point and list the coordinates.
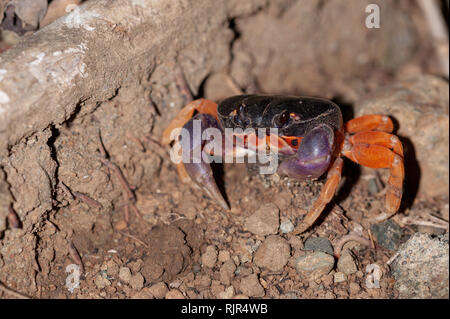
(85, 198)
(12, 292)
(114, 168)
(76, 256)
(412, 221)
(67, 191)
(135, 238)
(350, 237)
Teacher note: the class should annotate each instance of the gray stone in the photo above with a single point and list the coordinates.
(286, 226)
(388, 234)
(319, 244)
(314, 265)
(422, 267)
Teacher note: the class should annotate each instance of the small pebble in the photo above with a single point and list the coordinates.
(273, 253)
(101, 282)
(251, 287)
(224, 255)
(314, 265)
(158, 290)
(174, 294)
(265, 221)
(209, 257)
(319, 244)
(353, 288)
(227, 294)
(346, 263)
(137, 281)
(121, 225)
(227, 272)
(339, 277)
(125, 274)
(286, 226)
(388, 234)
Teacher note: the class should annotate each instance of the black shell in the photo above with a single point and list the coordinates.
(261, 111)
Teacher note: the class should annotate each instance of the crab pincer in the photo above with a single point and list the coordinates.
(195, 159)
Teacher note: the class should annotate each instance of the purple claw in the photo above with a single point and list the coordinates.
(313, 156)
(198, 170)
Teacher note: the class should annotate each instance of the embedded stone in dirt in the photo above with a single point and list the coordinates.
(251, 287)
(273, 253)
(346, 263)
(314, 265)
(174, 294)
(168, 250)
(227, 272)
(264, 221)
(151, 270)
(158, 290)
(209, 257)
(388, 234)
(137, 281)
(319, 244)
(421, 269)
(125, 274)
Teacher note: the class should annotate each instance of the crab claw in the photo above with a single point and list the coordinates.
(196, 167)
(313, 156)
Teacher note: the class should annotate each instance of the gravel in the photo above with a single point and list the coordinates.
(265, 221)
(273, 253)
(314, 264)
(137, 281)
(226, 273)
(319, 244)
(339, 277)
(158, 290)
(421, 268)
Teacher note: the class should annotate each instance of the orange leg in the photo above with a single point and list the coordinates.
(378, 138)
(186, 113)
(327, 193)
(373, 122)
(378, 156)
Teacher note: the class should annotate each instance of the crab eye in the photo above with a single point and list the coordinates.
(282, 119)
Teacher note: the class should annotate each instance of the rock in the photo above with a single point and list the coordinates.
(314, 265)
(101, 282)
(264, 221)
(251, 287)
(319, 244)
(227, 294)
(125, 274)
(273, 253)
(174, 294)
(158, 290)
(137, 281)
(419, 105)
(209, 257)
(346, 263)
(227, 272)
(421, 269)
(151, 270)
(387, 234)
(339, 277)
(286, 226)
(112, 268)
(224, 255)
(353, 288)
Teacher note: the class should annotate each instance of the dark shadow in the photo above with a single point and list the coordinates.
(412, 174)
(219, 177)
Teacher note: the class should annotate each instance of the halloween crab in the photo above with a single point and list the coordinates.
(311, 139)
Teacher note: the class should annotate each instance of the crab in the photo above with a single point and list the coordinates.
(311, 140)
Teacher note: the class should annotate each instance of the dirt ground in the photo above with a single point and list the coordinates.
(98, 190)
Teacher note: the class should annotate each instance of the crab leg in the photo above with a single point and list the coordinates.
(378, 138)
(378, 156)
(327, 193)
(375, 122)
(186, 113)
